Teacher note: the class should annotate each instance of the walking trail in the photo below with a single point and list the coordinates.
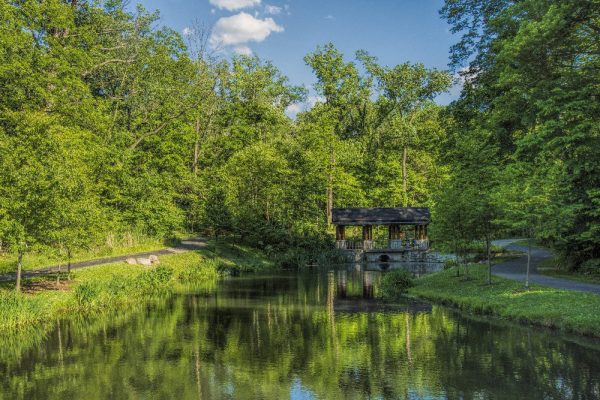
(185, 246)
(516, 269)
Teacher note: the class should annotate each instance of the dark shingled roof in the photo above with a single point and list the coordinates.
(381, 216)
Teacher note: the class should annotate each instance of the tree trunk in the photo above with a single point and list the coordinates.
(69, 264)
(456, 259)
(528, 262)
(19, 268)
(489, 259)
(330, 187)
(196, 148)
(404, 178)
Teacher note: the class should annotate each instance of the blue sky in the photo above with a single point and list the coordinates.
(283, 31)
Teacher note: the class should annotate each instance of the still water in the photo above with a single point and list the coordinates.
(288, 335)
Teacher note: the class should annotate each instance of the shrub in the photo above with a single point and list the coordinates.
(590, 267)
(395, 282)
(85, 293)
(17, 309)
(156, 279)
(450, 263)
(200, 271)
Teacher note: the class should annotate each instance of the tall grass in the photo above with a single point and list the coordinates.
(107, 287)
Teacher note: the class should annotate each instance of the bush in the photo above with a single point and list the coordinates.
(590, 267)
(450, 263)
(156, 279)
(85, 293)
(201, 271)
(395, 282)
(17, 309)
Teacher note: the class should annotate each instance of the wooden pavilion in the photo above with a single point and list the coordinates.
(407, 227)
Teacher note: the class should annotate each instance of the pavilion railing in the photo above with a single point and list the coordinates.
(405, 244)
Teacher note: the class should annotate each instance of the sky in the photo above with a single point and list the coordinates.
(284, 31)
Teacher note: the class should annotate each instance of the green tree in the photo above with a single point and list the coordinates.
(532, 70)
(404, 91)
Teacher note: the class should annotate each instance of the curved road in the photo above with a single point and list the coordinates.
(184, 246)
(516, 269)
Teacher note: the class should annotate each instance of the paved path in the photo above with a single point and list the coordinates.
(516, 269)
(185, 246)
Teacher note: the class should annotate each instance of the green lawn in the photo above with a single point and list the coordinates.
(553, 308)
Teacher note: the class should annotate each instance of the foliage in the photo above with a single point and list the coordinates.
(532, 70)
(110, 123)
(395, 283)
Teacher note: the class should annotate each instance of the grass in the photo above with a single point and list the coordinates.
(234, 258)
(555, 268)
(534, 243)
(553, 308)
(118, 285)
(126, 244)
(552, 267)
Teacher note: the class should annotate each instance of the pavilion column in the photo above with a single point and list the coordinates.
(425, 232)
(367, 232)
(394, 236)
(394, 232)
(340, 232)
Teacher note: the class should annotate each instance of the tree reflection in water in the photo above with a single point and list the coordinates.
(293, 335)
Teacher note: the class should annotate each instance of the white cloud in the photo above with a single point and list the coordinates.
(233, 5)
(329, 17)
(187, 31)
(242, 28)
(243, 50)
(312, 100)
(293, 110)
(273, 10)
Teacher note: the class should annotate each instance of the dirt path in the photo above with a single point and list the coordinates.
(184, 246)
(516, 269)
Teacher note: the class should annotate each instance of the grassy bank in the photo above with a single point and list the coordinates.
(115, 286)
(557, 309)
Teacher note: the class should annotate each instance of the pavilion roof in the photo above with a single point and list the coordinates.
(381, 216)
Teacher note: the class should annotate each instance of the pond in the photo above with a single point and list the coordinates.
(311, 335)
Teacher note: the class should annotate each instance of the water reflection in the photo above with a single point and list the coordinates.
(300, 336)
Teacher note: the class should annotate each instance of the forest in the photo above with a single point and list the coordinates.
(113, 124)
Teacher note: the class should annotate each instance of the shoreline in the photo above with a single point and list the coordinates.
(116, 285)
(556, 309)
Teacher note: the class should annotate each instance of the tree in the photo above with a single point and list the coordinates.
(29, 199)
(525, 203)
(403, 92)
(532, 69)
(217, 215)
